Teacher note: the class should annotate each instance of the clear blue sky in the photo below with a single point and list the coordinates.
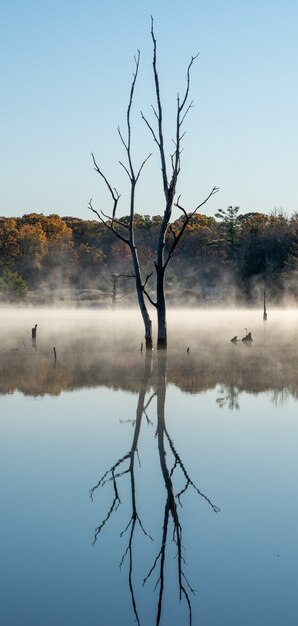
(66, 68)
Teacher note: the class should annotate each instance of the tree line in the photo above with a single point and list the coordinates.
(228, 256)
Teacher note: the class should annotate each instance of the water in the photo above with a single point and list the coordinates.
(223, 416)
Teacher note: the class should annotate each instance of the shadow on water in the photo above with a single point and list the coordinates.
(171, 464)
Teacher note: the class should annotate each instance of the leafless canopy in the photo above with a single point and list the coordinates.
(170, 170)
(170, 181)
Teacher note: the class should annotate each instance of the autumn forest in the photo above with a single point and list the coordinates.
(229, 257)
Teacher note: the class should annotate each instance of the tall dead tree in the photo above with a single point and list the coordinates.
(124, 231)
(114, 277)
(169, 183)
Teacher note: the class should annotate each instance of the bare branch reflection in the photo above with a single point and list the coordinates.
(229, 397)
(280, 397)
(116, 472)
(170, 464)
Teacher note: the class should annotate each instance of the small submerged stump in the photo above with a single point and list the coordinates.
(33, 335)
(247, 338)
(265, 310)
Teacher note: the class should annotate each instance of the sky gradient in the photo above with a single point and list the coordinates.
(66, 70)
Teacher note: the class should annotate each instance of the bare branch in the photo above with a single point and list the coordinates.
(212, 193)
(125, 168)
(142, 166)
(159, 115)
(184, 592)
(111, 470)
(171, 229)
(114, 220)
(188, 81)
(147, 278)
(123, 557)
(114, 473)
(127, 144)
(172, 161)
(143, 529)
(153, 395)
(121, 137)
(187, 219)
(187, 581)
(215, 508)
(112, 191)
(127, 527)
(152, 568)
(149, 422)
(190, 106)
(154, 111)
(149, 298)
(150, 128)
(114, 507)
(109, 226)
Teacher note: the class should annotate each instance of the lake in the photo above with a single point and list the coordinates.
(181, 468)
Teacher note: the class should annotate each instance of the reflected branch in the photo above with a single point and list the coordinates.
(111, 475)
(189, 482)
(230, 399)
(170, 510)
(171, 525)
(114, 507)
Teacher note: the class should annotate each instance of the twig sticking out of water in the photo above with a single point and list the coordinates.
(55, 356)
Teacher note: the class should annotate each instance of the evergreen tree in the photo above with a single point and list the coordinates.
(12, 286)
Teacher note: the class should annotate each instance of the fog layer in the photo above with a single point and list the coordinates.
(95, 348)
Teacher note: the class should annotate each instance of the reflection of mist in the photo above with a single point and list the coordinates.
(101, 348)
(172, 467)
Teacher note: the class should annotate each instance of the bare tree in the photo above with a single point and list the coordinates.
(124, 231)
(114, 278)
(121, 229)
(169, 183)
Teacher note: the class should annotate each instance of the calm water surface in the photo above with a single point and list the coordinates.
(217, 425)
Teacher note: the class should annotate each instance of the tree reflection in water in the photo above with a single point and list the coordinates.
(171, 517)
(280, 397)
(229, 397)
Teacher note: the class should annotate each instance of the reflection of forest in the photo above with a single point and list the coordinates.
(266, 368)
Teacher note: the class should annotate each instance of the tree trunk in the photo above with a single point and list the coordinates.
(141, 300)
(114, 291)
(161, 310)
(145, 316)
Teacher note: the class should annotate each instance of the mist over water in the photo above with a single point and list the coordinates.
(212, 422)
(96, 348)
